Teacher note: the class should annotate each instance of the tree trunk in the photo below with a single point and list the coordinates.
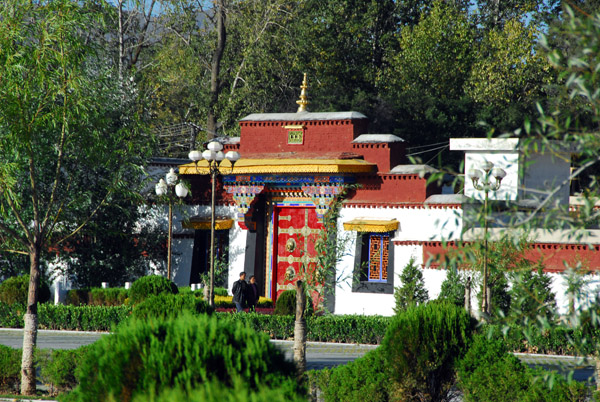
(468, 296)
(28, 381)
(597, 373)
(211, 120)
(300, 330)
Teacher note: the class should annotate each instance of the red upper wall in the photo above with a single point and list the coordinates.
(319, 136)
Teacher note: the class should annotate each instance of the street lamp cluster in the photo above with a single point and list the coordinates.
(214, 155)
(482, 181)
(165, 188)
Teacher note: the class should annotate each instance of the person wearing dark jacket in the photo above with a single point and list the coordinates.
(252, 296)
(240, 290)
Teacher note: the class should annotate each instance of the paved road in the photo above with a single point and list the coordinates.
(318, 355)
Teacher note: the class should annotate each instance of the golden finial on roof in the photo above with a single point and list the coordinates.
(303, 102)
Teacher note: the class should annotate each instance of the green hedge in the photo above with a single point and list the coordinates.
(97, 296)
(81, 318)
(59, 368)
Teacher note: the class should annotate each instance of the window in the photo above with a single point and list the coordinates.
(201, 255)
(373, 270)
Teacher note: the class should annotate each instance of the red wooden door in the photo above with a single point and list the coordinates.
(297, 231)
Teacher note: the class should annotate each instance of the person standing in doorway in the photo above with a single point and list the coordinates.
(240, 290)
(252, 296)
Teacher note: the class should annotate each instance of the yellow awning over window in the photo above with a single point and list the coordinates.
(204, 224)
(371, 225)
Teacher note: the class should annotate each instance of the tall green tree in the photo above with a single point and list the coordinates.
(61, 122)
(412, 292)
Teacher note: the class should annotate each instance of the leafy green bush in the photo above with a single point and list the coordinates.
(150, 285)
(15, 290)
(220, 291)
(347, 328)
(150, 356)
(11, 315)
(217, 391)
(58, 369)
(169, 305)
(422, 345)
(10, 369)
(489, 373)
(364, 378)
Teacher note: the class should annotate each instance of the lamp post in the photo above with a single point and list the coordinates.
(214, 156)
(165, 188)
(482, 181)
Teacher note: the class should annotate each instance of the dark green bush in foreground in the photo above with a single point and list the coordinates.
(367, 378)
(489, 373)
(15, 290)
(217, 391)
(170, 305)
(150, 285)
(422, 346)
(10, 369)
(148, 357)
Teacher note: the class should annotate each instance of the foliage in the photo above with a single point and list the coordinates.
(531, 295)
(368, 375)
(453, 288)
(148, 357)
(286, 303)
(150, 285)
(58, 369)
(15, 290)
(97, 296)
(165, 305)
(227, 302)
(413, 291)
(81, 318)
(217, 391)
(422, 346)
(10, 369)
(489, 373)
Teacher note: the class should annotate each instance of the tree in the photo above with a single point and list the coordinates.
(61, 122)
(413, 291)
(453, 288)
(531, 295)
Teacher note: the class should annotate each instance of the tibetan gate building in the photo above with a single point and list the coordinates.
(293, 166)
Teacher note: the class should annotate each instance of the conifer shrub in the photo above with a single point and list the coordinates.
(422, 346)
(453, 288)
(413, 291)
(217, 391)
(366, 378)
(147, 357)
(489, 373)
(150, 285)
(58, 368)
(10, 369)
(169, 305)
(14, 290)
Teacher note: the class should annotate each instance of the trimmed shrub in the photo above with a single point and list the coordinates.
(364, 378)
(81, 318)
(58, 369)
(150, 285)
(286, 304)
(422, 345)
(217, 391)
(97, 296)
(151, 356)
(11, 315)
(14, 290)
(347, 328)
(77, 297)
(168, 305)
(10, 369)
(221, 292)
